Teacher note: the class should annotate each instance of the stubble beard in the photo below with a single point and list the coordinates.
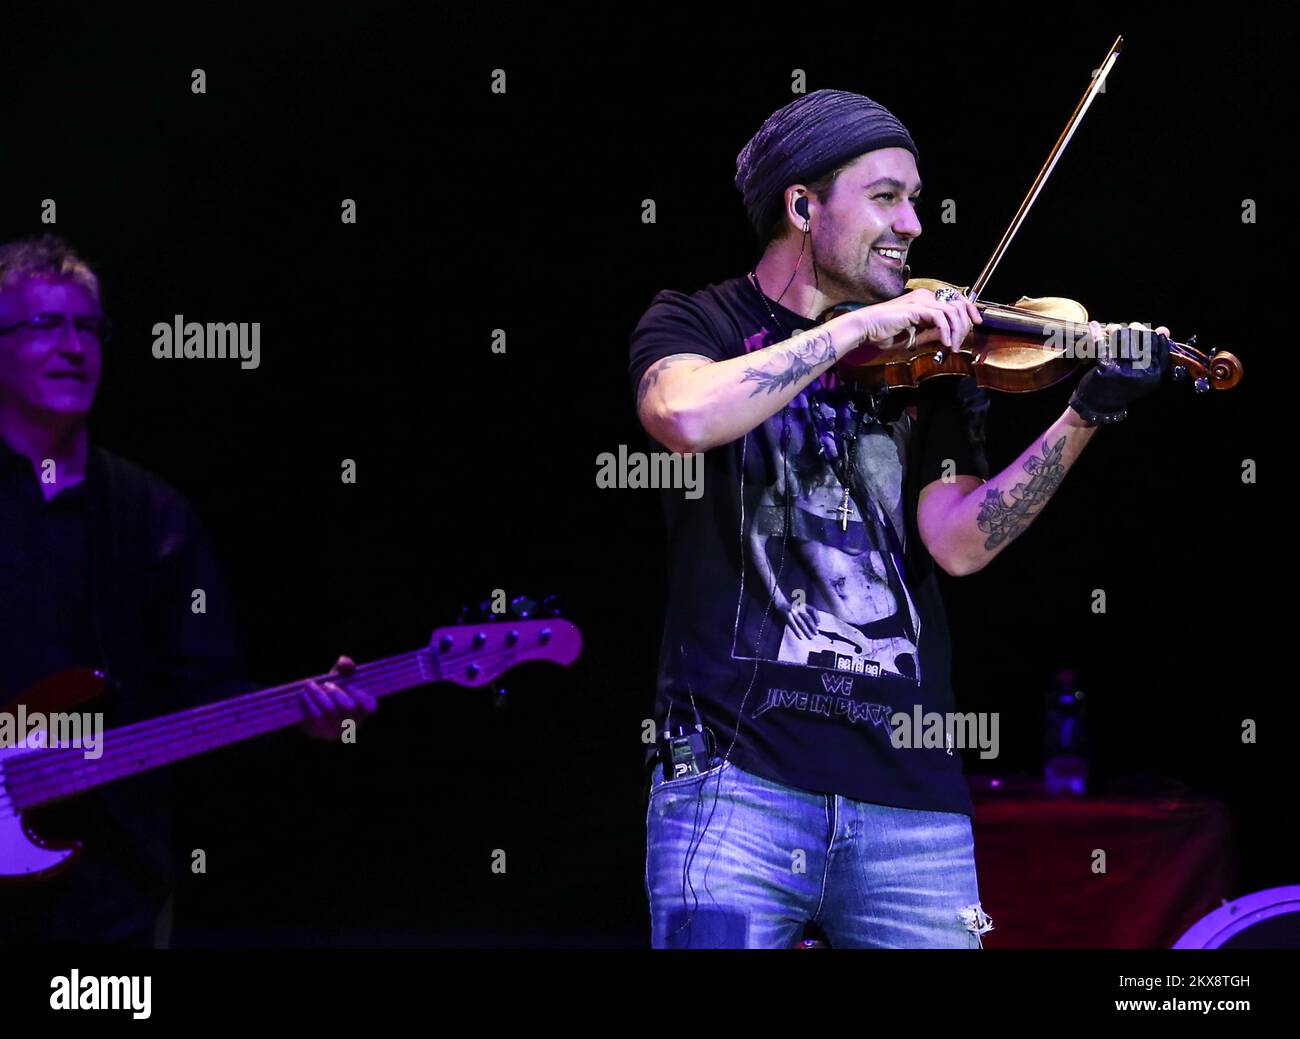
(860, 283)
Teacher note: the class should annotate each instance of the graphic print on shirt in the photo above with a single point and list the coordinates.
(839, 601)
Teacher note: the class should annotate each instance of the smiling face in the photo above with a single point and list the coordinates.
(869, 210)
(49, 373)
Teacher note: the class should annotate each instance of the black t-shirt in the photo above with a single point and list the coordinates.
(814, 629)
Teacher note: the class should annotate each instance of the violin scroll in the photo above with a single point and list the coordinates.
(1220, 370)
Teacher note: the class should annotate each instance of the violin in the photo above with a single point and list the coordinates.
(1032, 344)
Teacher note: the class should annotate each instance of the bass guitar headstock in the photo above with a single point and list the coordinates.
(478, 653)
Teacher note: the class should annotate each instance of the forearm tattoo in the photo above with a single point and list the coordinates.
(652, 373)
(800, 360)
(1002, 520)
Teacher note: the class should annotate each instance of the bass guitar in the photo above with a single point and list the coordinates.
(34, 773)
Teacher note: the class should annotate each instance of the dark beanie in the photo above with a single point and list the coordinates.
(808, 138)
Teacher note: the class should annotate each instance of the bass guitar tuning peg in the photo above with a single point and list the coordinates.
(523, 607)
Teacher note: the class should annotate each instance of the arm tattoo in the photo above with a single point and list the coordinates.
(800, 362)
(1001, 520)
(652, 373)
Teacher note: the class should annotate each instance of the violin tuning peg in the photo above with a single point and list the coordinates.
(1201, 385)
(1191, 341)
(1179, 372)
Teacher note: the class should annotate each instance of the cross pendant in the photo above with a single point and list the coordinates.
(844, 510)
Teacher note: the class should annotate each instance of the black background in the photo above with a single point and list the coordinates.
(476, 471)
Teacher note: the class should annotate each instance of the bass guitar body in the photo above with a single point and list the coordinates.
(24, 854)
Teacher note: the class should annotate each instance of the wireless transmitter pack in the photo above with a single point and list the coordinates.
(686, 752)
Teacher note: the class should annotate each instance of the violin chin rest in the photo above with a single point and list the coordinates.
(1053, 306)
(1046, 306)
(933, 284)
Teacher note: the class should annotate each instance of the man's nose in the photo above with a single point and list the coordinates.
(70, 338)
(907, 222)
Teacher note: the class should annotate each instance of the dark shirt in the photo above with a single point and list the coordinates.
(102, 575)
(813, 712)
(45, 616)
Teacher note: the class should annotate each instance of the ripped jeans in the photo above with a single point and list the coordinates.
(765, 859)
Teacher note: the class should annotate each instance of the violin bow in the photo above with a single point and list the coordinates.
(1098, 81)
(1220, 370)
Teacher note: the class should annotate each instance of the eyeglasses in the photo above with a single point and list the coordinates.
(99, 327)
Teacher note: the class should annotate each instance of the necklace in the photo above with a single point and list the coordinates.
(835, 440)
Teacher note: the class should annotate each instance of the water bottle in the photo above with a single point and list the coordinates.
(1065, 743)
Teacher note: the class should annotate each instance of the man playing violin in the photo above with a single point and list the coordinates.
(804, 609)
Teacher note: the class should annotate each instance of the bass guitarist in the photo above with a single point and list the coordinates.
(99, 563)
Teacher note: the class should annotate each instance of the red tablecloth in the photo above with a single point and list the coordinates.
(1167, 863)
